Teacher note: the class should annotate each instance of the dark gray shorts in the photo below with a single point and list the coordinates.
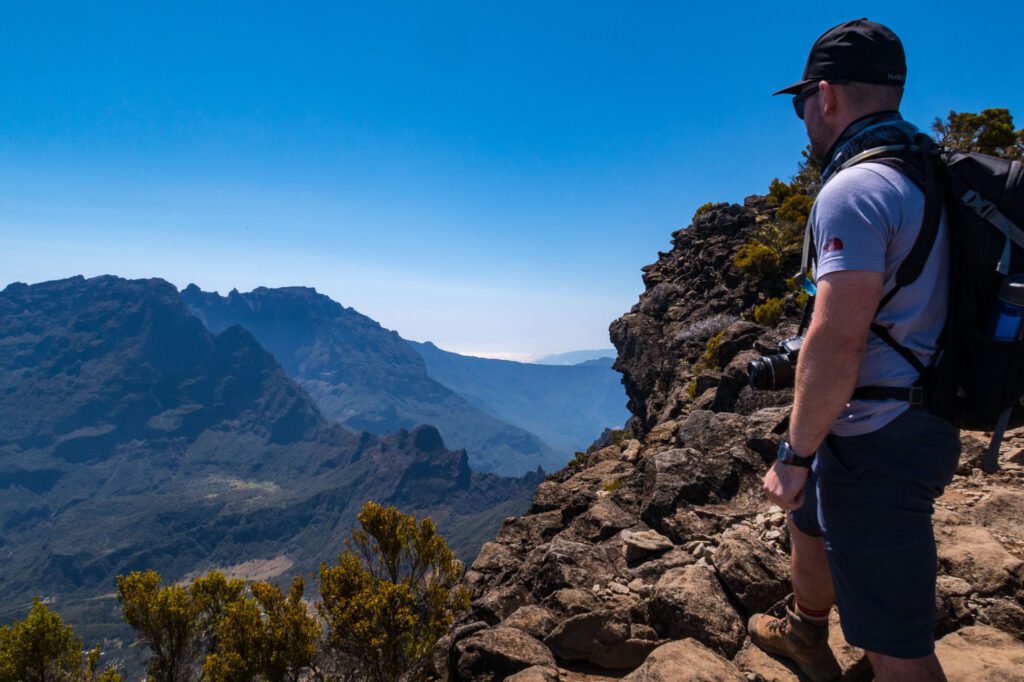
(871, 497)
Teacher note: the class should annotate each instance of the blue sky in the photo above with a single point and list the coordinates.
(490, 176)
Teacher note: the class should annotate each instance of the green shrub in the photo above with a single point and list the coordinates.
(612, 486)
(779, 191)
(691, 389)
(710, 357)
(769, 312)
(795, 209)
(755, 258)
(703, 208)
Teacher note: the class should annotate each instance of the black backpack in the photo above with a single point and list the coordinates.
(973, 380)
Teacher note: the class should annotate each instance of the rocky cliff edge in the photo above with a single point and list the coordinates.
(643, 559)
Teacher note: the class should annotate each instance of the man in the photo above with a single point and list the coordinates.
(859, 476)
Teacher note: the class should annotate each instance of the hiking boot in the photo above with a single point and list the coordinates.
(805, 643)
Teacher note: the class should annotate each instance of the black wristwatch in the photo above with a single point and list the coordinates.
(788, 456)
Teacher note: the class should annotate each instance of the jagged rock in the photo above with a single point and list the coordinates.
(496, 604)
(523, 532)
(571, 601)
(535, 673)
(951, 603)
(712, 431)
(653, 569)
(494, 654)
(444, 648)
(603, 520)
(756, 575)
(685, 660)
(494, 558)
(971, 553)
(571, 564)
(535, 621)
(684, 475)
(550, 495)
(1002, 512)
(1006, 615)
(981, 654)
(644, 544)
(603, 638)
(762, 667)
(689, 602)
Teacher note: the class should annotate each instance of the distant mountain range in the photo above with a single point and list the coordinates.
(510, 416)
(577, 356)
(132, 437)
(567, 406)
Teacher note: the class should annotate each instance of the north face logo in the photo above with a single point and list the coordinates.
(833, 244)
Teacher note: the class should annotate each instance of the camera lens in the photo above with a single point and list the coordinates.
(771, 372)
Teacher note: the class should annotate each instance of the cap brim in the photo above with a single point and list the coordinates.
(795, 87)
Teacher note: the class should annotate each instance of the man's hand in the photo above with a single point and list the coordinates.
(784, 485)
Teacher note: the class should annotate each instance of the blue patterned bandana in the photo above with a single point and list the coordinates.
(876, 130)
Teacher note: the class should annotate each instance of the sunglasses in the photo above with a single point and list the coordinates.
(801, 98)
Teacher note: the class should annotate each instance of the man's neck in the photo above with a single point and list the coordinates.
(854, 127)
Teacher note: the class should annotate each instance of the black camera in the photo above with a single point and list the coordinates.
(773, 372)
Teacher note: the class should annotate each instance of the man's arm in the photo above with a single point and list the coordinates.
(827, 370)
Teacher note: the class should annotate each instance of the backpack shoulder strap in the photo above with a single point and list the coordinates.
(919, 162)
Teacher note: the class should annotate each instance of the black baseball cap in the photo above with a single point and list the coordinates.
(858, 50)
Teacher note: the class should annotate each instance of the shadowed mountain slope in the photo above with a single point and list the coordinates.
(365, 376)
(131, 437)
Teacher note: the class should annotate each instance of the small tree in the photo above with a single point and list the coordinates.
(177, 623)
(271, 636)
(990, 132)
(394, 592)
(41, 648)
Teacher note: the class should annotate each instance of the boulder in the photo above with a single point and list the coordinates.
(523, 532)
(951, 603)
(495, 654)
(652, 569)
(571, 601)
(1005, 614)
(444, 649)
(603, 638)
(760, 666)
(603, 520)
(571, 564)
(685, 660)
(980, 653)
(756, 575)
(494, 558)
(973, 554)
(535, 621)
(690, 602)
(500, 602)
(644, 544)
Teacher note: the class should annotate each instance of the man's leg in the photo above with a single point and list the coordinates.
(891, 669)
(801, 635)
(812, 581)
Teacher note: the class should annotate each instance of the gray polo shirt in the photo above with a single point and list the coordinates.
(867, 218)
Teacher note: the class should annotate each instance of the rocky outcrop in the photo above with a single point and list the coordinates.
(649, 553)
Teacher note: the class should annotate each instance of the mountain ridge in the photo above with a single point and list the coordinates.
(132, 437)
(366, 376)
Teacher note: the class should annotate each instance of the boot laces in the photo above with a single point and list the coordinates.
(778, 625)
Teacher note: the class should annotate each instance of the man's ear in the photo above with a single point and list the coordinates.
(829, 98)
